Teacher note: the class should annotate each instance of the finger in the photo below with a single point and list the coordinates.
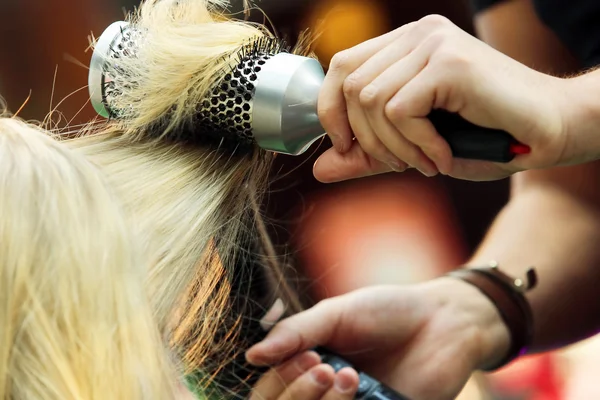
(408, 109)
(300, 332)
(434, 149)
(412, 38)
(331, 102)
(335, 167)
(402, 148)
(364, 133)
(375, 99)
(274, 382)
(354, 84)
(312, 385)
(344, 387)
(385, 58)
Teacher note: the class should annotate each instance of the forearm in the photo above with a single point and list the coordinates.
(556, 228)
(583, 115)
(552, 220)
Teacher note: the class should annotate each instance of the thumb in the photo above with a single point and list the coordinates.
(298, 333)
(333, 166)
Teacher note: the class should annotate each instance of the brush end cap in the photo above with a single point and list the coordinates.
(96, 78)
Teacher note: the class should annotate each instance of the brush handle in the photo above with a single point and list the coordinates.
(368, 388)
(473, 142)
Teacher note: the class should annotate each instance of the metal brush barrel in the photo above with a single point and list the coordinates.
(268, 98)
(285, 104)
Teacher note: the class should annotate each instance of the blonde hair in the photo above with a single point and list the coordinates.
(195, 206)
(76, 322)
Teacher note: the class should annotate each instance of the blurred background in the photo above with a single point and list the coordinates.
(395, 228)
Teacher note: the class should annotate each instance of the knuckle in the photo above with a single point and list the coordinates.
(369, 96)
(437, 39)
(340, 61)
(451, 57)
(435, 21)
(324, 303)
(459, 62)
(396, 110)
(352, 85)
(326, 114)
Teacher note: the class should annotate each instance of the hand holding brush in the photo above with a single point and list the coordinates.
(432, 97)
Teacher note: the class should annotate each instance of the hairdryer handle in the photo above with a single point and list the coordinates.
(474, 142)
(368, 388)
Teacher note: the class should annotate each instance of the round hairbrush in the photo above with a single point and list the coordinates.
(270, 98)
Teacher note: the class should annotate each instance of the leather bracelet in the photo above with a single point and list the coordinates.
(508, 295)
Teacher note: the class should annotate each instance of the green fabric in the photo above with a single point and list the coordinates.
(195, 384)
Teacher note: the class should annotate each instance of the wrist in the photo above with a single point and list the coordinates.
(485, 331)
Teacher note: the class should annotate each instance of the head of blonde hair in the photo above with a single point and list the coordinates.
(194, 205)
(75, 317)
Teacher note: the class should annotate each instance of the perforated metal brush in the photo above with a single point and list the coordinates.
(270, 99)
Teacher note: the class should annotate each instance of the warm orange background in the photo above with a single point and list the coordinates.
(393, 228)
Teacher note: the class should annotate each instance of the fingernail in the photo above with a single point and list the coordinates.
(273, 315)
(320, 377)
(254, 359)
(428, 174)
(395, 166)
(429, 171)
(260, 353)
(343, 384)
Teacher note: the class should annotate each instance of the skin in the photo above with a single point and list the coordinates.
(303, 377)
(406, 337)
(425, 340)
